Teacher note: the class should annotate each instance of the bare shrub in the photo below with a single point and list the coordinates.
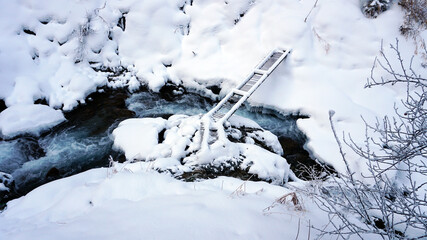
(391, 201)
(415, 16)
(286, 200)
(415, 21)
(373, 8)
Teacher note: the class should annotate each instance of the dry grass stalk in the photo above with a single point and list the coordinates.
(111, 168)
(240, 191)
(322, 41)
(285, 200)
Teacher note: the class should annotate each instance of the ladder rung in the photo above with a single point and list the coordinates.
(271, 61)
(240, 92)
(261, 71)
(277, 55)
(236, 96)
(228, 106)
(245, 88)
(257, 75)
(218, 115)
(233, 100)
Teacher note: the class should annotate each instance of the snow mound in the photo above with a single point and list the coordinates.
(238, 121)
(28, 118)
(263, 163)
(175, 146)
(138, 137)
(116, 203)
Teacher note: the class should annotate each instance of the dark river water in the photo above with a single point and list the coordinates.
(84, 142)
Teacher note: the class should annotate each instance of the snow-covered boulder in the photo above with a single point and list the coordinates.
(175, 145)
(28, 119)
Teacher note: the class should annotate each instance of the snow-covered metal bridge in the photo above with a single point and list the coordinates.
(237, 96)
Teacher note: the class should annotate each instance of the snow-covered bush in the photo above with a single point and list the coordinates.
(415, 16)
(390, 201)
(373, 8)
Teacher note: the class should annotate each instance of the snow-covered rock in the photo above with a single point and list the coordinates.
(174, 145)
(7, 186)
(138, 137)
(5, 182)
(28, 119)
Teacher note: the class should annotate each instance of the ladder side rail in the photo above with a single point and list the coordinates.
(274, 66)
(241, 84)
(258, 70)
(264, 77)
(219, 105)
(205, 123)
(254, 87)
(265, 59)
(233, 109)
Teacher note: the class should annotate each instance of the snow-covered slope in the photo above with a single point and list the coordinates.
(48, 50)
(135, 204)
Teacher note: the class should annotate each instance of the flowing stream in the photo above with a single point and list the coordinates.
(84, 142)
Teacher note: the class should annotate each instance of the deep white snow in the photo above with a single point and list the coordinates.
(124, 202)
(49, 49)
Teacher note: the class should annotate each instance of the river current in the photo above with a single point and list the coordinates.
(84, 140)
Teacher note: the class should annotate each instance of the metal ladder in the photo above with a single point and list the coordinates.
(237, 96)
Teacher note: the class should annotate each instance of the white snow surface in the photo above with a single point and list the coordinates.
(122, 202)
(48, 49)
(28, 118)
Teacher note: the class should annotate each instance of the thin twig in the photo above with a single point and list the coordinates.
(315, 4)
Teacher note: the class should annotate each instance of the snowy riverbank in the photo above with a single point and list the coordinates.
(50, 53)
(60, 51)
(129, 202)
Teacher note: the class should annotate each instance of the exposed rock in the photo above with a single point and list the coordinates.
(170, 91)
(52, 174)
(2, 105)
(7, 188)
(373, 8)
(300, 161)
